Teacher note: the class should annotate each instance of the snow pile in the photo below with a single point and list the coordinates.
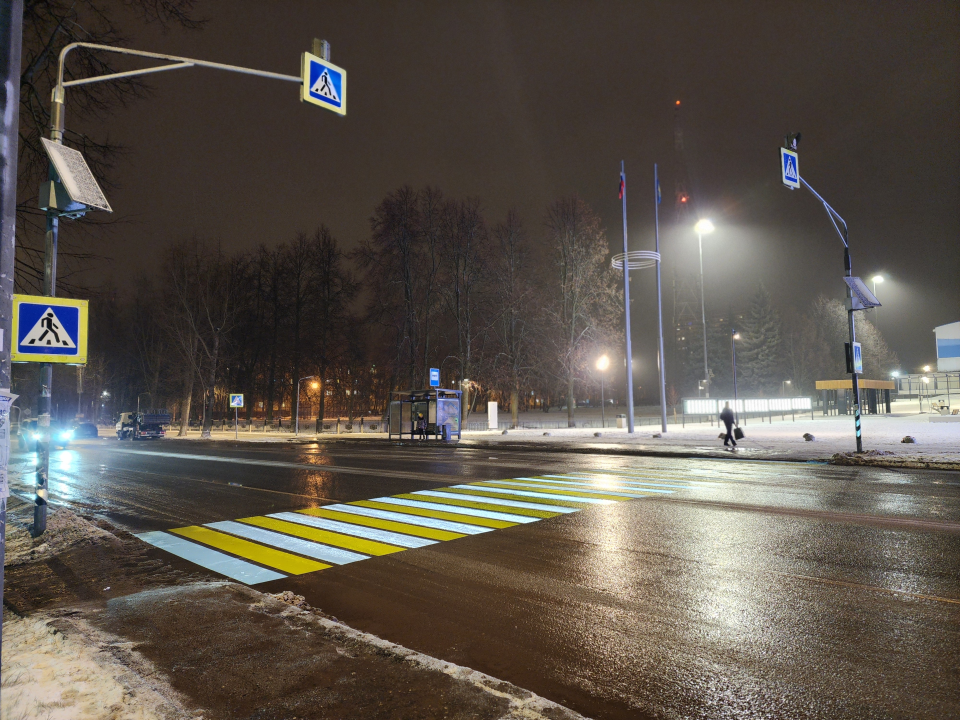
(49, 675)
(290, 598)
(64, 530)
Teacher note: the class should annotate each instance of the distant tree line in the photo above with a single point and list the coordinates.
(800, 347)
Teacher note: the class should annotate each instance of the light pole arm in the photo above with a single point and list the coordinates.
(831, 213)
(181, 62)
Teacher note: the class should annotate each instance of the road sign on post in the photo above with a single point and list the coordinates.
(854, 359)
(49, 330)
(236, 400)
(324, 83)
(434, 377)
(789, 169)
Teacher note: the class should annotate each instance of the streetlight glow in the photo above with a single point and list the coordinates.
(926, 368)
(877, 279)
(603, 362)
(703, 227)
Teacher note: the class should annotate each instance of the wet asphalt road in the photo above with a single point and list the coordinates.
(781, 590)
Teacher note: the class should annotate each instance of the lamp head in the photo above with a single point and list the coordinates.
(603, 362)
(877, 278)
(703, 227)
(926, 368)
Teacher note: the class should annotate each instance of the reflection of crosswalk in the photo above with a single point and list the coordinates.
(258, 549)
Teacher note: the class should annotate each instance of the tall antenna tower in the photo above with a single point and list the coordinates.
(684, 203)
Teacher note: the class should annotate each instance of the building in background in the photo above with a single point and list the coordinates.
(948, 347)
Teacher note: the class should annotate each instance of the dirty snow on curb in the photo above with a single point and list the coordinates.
(51, 676)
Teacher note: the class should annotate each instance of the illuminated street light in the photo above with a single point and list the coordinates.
(926, 368)
(297, 411)
(603, 362)
(783, 387)
(703, 227)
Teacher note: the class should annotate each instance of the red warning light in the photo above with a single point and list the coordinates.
(678, 102)
(683, 198)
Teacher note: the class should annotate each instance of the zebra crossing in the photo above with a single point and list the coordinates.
(259, 549)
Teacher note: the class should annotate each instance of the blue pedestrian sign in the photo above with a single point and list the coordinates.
(324, 83)
(236, 400)
(789, 169)
(434, 377)
(49, 330)
(857, 359)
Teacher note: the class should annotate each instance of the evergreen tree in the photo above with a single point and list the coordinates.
(758, 354)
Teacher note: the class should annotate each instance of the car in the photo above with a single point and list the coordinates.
(60, 435)
(85, 430)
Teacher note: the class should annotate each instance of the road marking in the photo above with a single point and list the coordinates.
(512, 495)
(486, 503)
(306, 517)
(203, 556)
(455, 529)
(337, 556)
(362, 545)
(474, 514)
(629, 484)
(403, 528)
(561, 490)
(293, 564)
(313, 539)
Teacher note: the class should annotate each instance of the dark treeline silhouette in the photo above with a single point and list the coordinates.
(507, 312)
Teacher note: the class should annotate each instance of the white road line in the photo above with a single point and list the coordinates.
(495, 501)
(458, 510)
(630, 484)
(592, 488)
(337, 556)
(203, 556)
(411, 519)
(538, 494)
(384, 536)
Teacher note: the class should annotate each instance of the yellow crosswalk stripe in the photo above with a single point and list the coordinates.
(393, 525)
(362, 545)
(552, 489)
(435, 514)
(478, 505)
(516, 498)
(293, 564)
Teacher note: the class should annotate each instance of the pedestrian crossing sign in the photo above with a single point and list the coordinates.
(324, 83)
(236, 400)
(49, 330)
(789, 168)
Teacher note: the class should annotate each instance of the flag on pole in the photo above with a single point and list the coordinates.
(659, 198)
(623, 185)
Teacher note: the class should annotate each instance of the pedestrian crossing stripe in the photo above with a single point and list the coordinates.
(259, 549)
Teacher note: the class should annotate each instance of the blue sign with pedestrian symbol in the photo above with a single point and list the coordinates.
(236, 400)
(857, 359)
(789, 168)
(49, 330)
(324, 83)
(434, 377)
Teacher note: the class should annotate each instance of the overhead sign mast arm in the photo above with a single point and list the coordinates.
(843, 232)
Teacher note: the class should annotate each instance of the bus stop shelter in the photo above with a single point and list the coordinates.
(838, 396)
(440, 408)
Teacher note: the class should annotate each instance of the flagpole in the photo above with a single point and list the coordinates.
(661, 363)
(626, 301)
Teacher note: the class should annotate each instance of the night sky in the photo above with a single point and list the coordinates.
(518, 103)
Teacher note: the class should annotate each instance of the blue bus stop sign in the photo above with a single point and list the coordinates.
(434, 377)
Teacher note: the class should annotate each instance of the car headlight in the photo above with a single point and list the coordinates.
(66, 435)
(35, 436)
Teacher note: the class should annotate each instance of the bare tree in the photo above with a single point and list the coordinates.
(584, 305)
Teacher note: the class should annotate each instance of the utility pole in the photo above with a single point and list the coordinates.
(626, 300)
(661, 361)
(11, 39)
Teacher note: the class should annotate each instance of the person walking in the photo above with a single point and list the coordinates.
(421, 426)
(727, 416)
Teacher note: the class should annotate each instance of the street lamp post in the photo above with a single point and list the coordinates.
(297, 412)
(603, 362)
(734, 336)
(876, 311)
(783, 387)
(138, 400)
(703, 227)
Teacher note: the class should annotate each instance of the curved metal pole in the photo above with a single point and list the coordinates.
(626, 303)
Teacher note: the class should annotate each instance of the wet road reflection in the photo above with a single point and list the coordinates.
(764, 590)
